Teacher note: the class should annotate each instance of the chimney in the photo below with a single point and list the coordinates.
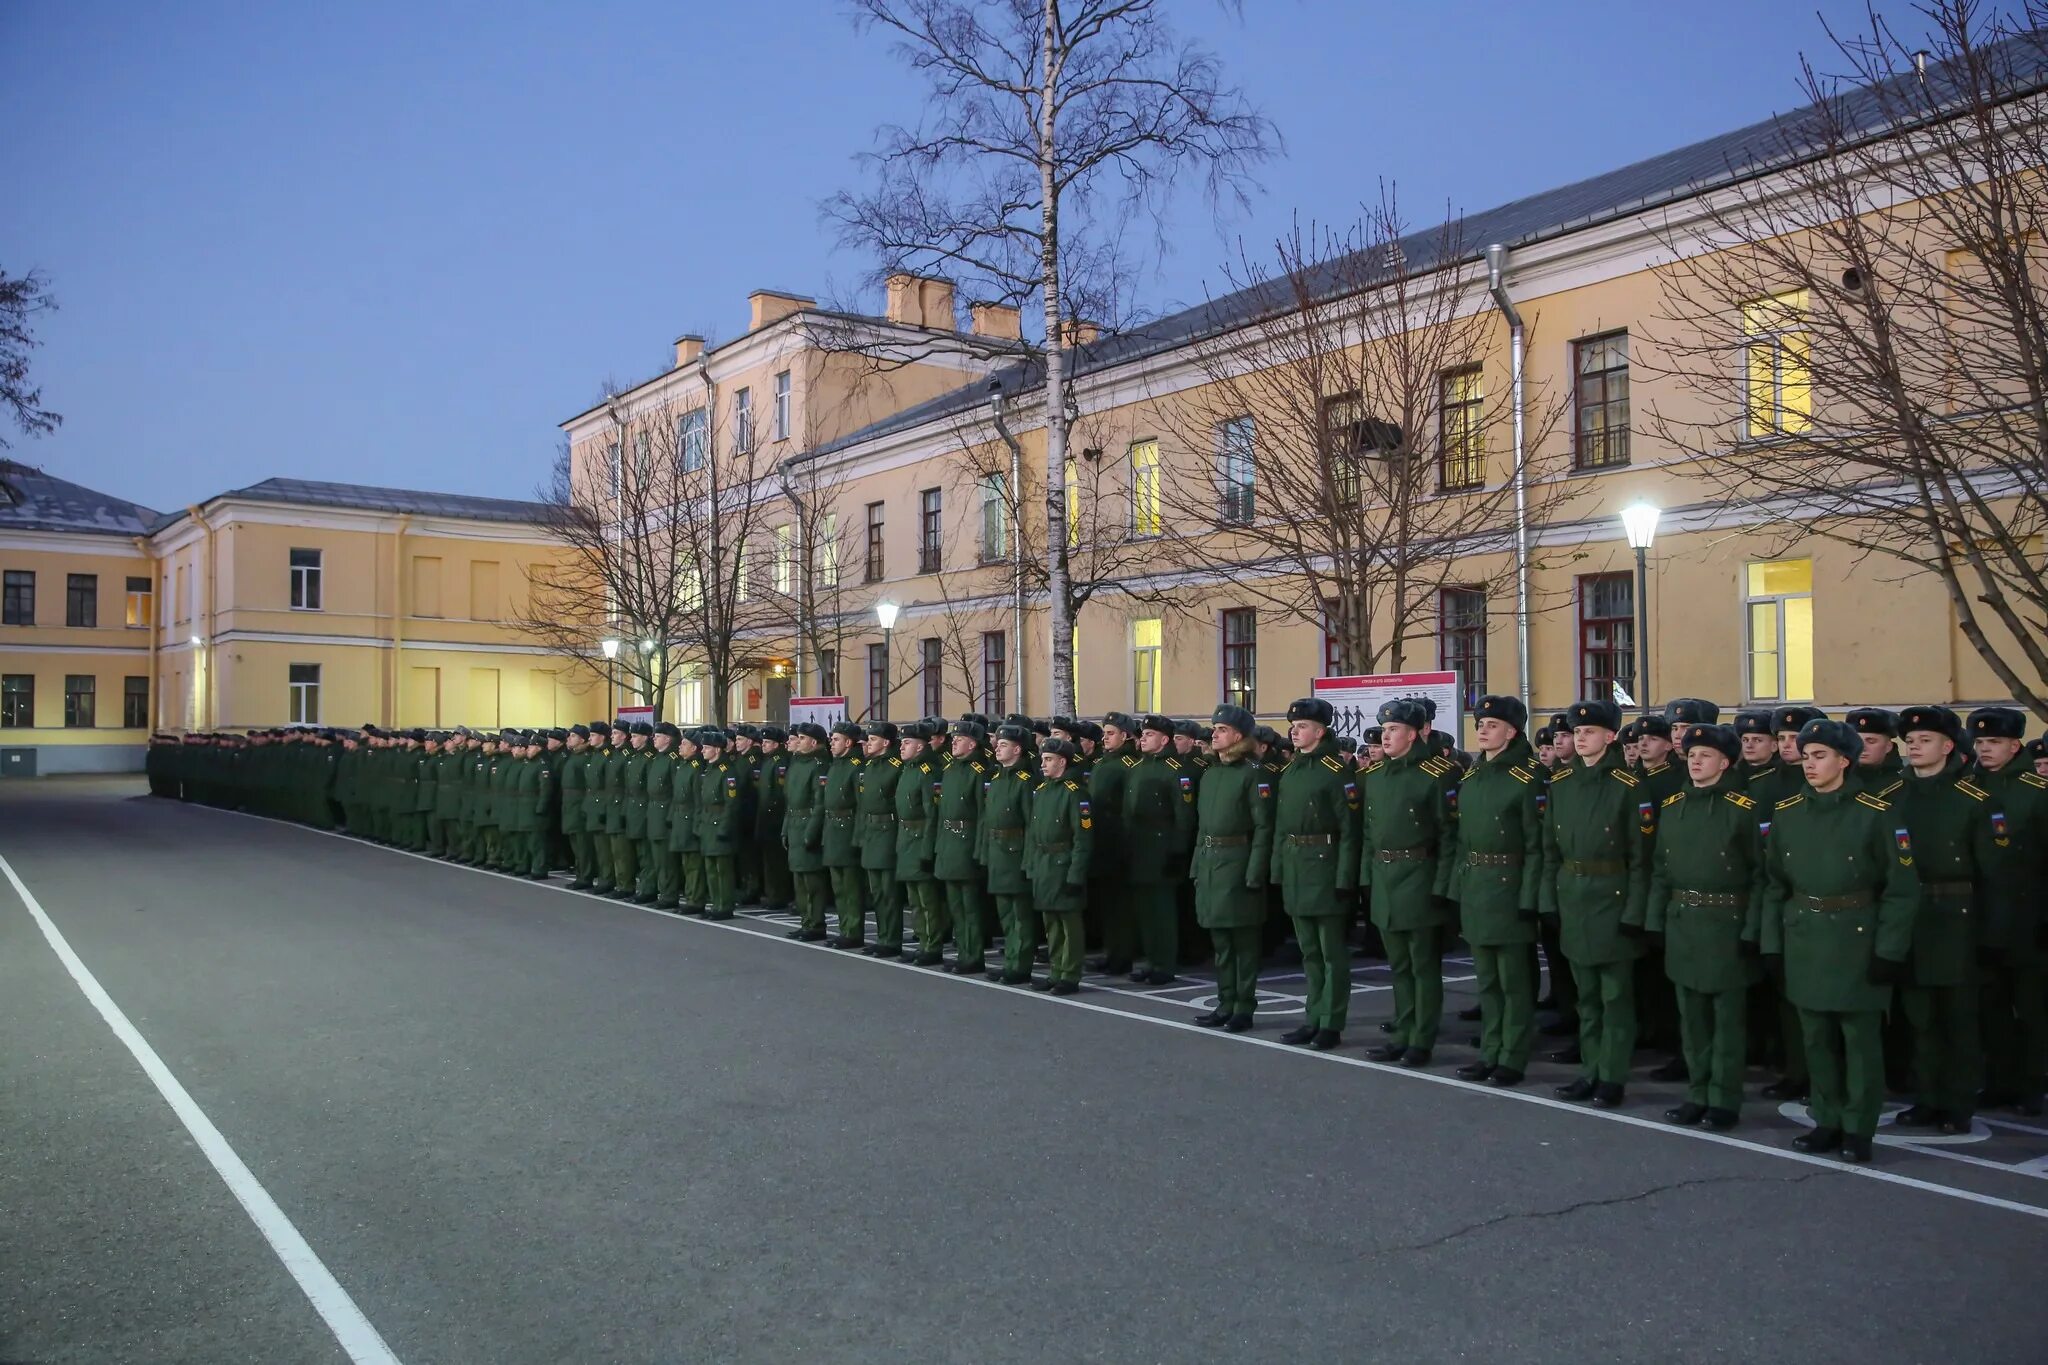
(773, 305)
(688, 347)
(1074, 332)
(919, 301)
(1001, 321)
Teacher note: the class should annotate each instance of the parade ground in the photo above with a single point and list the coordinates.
(273, 1095)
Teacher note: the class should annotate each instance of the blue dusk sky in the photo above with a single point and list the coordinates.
(397, 243)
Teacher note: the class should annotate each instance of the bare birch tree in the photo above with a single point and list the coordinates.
(1050, 126)
(21, 298)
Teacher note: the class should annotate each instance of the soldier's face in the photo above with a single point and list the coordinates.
(662, 743)
(1591, 741)
(771, 747)
(1824, 767)
(1153, 741)
(1112, 737)
(1494, 735)
(2041, 767)
(741, 744)
(1927, 750)
(1705, 764)
(1397, 739)
(639, 741)
(1629, 751)
(1183, 744)
(1054, 766)
(1007, 751)
(1996, 753)
(1876, 748)
(1223, 736)
(686, 748)
(1758, 748)
(1653, 749)
(842, 745)
(874, 746)
(913, 749)
(963, 746)
(1305, 734)
(1788, 746)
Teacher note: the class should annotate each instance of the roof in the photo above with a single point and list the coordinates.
(363, 497)
(32, 500)
(1727, 159)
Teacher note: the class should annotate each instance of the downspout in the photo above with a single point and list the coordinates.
(397, 609)
(143, 548)
(206, 716)
(995, 406)
(1496, 284)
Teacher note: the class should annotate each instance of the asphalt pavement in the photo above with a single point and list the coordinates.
(520, 1124)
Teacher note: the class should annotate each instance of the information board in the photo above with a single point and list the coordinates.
(1357, 700)
(825, 711)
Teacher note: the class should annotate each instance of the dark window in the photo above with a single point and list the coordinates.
(932, 674)
(1600, 394)
(828, 672)
(305, 699)
(18, 606)
(1607, 635)
(995, 673)
(80, 691)
(1236, 445)
(1461, 446)
(141, 602)
(1349, 436)
(1241, 657)
(1461, 635)
(135, 703)
(306, 580)
(873, 572)
(81, 599)
(878, 682)
(18, 701)
(930, 530)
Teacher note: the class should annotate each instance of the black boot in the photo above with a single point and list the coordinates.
(1504, 1076)
(1239, 1023)
(1819, 1140)
(1215, 1018)
(1580, 1089)
(1918, 1116)
(1784, 1090)
(1721, 1120)
(1415, 1057)
(1475, 1071)
(1855, 1149)
(1687, 1114)
(1470, 1014)
(1567, 1056)
(1673, 1070)
(1325, 1039)
(1386, 1052)
(1300, 1035)
(1608, 1095)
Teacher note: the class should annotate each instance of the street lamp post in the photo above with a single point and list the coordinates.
(885, 612)
(647, 671)
(611, 669)
(1639, 523)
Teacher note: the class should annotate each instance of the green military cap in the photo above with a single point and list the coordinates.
(1509, 709)
(773, 734)
(1236, 717)
(1938, 719)
(1061, 748)
(1997, 722)
(1653, 727)
(1593, 711)
(1691, 711)
(1835, 734)
(1088, 730)
(1372, 734)
(667, 728)
(1719, 738)
(969, 728)
(1403, 711)
(1792, 719)
(1121, 720)
(1313, 709)
(1872, 720)
(1016, 734)
(1163, 724)
(881, 729)
(1753, 721)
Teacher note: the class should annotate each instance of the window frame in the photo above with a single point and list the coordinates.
(782, 400)
(1609, 438)
(1147, 684)
(743, 419)
(828, 672)
(18, 597)
(785, 558)
(82, 600)
(875, 561)
(827, 566)
(1775, 600)
(995, 673)
(1148, 519)
(931, 529)
(1623, 625)
(1780, 311)
(993, 538)
(1462, 450)
(1240, 658)
(135, 702)
(81, 701)
(303, 694)
(17, 701)
(693, 439)
(878, 680)
(140, 610)
(931, 674)
(1472, 680)
(1237, 498)
(307, 592)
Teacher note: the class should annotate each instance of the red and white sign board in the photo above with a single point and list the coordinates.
(1357, 700)
(634, 715)
(825, 711)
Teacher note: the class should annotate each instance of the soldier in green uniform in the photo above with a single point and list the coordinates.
(1315, 856)
(1705, 902)
(721, 804)
(661, 874)
(1406, 827)
(618, 767)
(803, 831)
(484, 781)
(956, 845)
(875, 802)
(1005, 813)
(1596, 844)
(2011, 947)
(597, 807)
(1768, 779)
(450, 793)
(1839, 902)
(683, 842)
(572, 780)
(1108, 902)
(771, 780)
(1948, 817)
(632, 834)
(915, 808)
(1230, 863)
(427, 794)
(839, 806)
(1491, 865)
(746, 752)
(539, 785)
(1878, 767)
(1157, 827)
(1057, 846)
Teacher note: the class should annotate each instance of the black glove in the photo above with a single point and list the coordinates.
(1631, 930)
(1774, 967)
(1528, 912)
(1748, 948)
(1443, 903)
(1654, 938)
(1885, 972)
(1550, 919)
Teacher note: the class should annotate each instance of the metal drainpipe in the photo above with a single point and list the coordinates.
(398, 617)
(1496, 284)
(144, 548)
(1016, 544)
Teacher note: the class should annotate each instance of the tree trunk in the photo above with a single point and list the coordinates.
(1061, 651)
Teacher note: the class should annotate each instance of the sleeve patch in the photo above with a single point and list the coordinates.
(1265, 789)
(1351, 795)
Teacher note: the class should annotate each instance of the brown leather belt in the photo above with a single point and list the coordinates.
(1492, 859)
(1712, 900)
(1313, 840)
(839, 815)
(1949, 888)
(1055, 848)
(956, 826)
(875, 819)
(1579, 867)
(1225, 840)
(1017, 833)
(1857, 900)
(909, 824)
(1401, 855)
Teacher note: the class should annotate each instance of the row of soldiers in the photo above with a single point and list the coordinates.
(1787, 856)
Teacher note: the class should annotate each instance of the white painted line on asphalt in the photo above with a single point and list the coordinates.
(769, 934)
(329, 1299)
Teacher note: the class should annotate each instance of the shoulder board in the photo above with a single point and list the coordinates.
(895, 762)
(1173, 763)
(1738, 799)
(1376, 766)
(1072, 785)
(1521, 774)
(1128, 761)
(976, 765)
(924, 767)
(1023, 774)
(1652, 772)
(1436, 767)
(1562, 773)
(1792, 801)
(1332, 764)
(1623, 776)
(1674, 798)
(2034, 780)
(1972, 790)
(1866, 799)
(1887, 792)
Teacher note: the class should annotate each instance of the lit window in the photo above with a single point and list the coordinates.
(1241, 657)
(828, 552)
(1146, 644)
(1779, 601)
(741, 577)
(1236, 441)
(305, 699)
(1462, 431)
(1777, 361)
(1145, 518)
(784, 561)
(993, 522)
(1072, 479)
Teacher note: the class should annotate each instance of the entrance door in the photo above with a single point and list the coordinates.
(778, 701)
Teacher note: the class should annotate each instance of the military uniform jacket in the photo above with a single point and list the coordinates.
(427, 783)
(721, 806)
(1158, 823)
(633, 794)
(1880, 779)
(597, 803)
(1769, 783)
(452, 787)
(1059, 844)
(1596, 859)
(1664, 780)
(1315, 832)
(542, 785)
(682, 808)
(574, 770)
(802, 818)
(1233, 843)
(617, 764)
(1492, 861)
(522, 786)
(1839, 889)
(917, 822)
(1707, 884)
(658, 787)
(1106, 778)
(1949, 818)
(771, 801)
(876, 805)
(1005, 813)
(839, 802)
(1406, 826)
(956, 844)
(2016, 873)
